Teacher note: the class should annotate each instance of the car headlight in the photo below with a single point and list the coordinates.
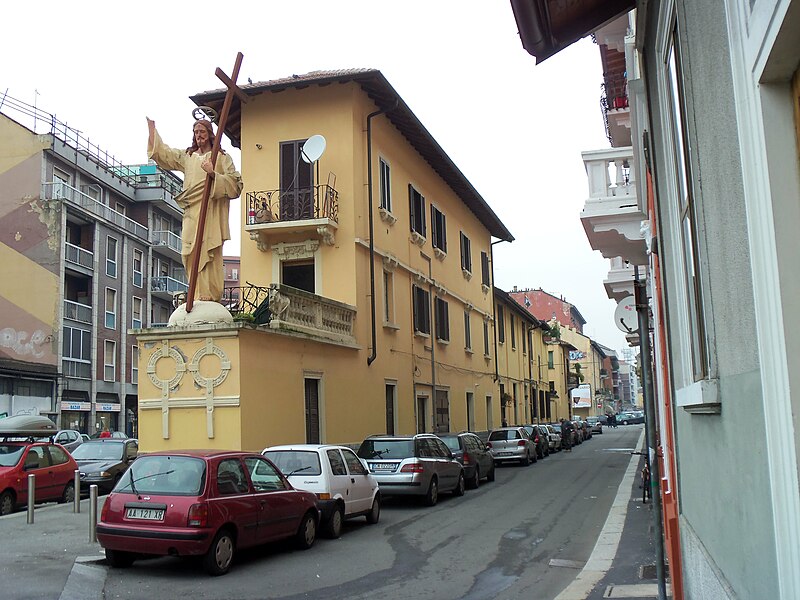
(103, 474)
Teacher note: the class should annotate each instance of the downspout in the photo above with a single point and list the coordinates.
(433, 339)
(374, 352)
(494, 316)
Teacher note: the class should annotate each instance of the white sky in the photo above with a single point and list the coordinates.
(516, 130)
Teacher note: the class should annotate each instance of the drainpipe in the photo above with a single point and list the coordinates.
(494, 316)
(374, 352)
(433, 338)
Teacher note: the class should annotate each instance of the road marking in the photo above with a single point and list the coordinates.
(607, 543)
(572, 564)
(634, 590)
(85, 582)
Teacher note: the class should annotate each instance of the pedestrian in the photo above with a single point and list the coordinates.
(105, 433)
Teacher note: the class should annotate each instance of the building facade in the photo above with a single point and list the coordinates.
(546, 307)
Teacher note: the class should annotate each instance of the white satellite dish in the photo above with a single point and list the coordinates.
(625, 316)
(313, 149)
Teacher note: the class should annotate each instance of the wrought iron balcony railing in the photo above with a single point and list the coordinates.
(275, 206)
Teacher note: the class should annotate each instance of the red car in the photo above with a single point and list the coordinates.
(203, 502)
(53, 466)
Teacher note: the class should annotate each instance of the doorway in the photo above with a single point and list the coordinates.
(298, 274)
(312, 411)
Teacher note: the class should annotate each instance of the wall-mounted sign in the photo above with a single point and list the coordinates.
(106, 407)
(67, 405)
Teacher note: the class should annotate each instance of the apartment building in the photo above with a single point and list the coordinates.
(91, 250)
(547, 307)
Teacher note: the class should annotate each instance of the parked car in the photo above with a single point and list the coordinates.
(474, 456)
(343, 485)
(554, 438)
(539, 438)
(595, 424)
(630, 418)
(584, 430)
(512, 444)
(85, 437)
(69, 438)
(208, 503)
(417, 465)
(103, 462)
(121, 435)
(21, 456)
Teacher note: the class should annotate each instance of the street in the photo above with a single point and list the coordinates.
(495, 542)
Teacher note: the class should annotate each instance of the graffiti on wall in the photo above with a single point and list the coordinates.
(23, 343)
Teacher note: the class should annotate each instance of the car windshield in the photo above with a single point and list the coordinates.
(300, 462)
(557, 428)
(165, 475)
(389, 449)
(452, 443)
(504, 434)
(10, 454)
(98, 451)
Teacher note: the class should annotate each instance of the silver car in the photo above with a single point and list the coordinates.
(413, 465)
(512, 444)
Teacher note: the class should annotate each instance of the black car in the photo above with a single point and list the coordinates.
(540, 438)
(103, 461)
(472, 453)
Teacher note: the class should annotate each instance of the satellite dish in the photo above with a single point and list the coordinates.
(313, 148)
(625, 316)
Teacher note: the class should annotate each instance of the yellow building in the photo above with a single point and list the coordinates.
(368, 279)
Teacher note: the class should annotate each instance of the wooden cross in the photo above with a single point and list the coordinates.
(233, 89)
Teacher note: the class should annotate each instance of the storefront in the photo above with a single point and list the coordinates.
(107, 416)
(75, 415)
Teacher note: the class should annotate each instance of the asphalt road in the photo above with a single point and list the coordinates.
(494, 542)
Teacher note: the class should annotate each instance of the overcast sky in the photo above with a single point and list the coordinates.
(516, 130)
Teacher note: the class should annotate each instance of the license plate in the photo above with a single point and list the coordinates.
(145, 514)
(383, 466)
(504, 454)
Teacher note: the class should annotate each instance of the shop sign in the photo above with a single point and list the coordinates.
(66, 405)
(106, 407)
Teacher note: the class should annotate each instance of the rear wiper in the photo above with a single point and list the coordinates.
(298, 470)
(133, 481)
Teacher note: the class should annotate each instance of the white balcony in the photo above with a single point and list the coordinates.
(619, 283)
(298, 311)
(612, 216)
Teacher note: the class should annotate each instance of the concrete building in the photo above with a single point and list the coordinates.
(370, 282)
(699, 194)
(89, 250)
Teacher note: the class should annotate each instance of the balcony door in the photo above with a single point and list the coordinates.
(297, 183)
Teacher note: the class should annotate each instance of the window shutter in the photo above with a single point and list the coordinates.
(411, 206)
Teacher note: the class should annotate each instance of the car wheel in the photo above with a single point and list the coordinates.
(432, 497)
(119, 559)
(219, 557)
(475, 481)
(68, 495)
(375, 513)
(307, 532)
(490, 476)
(460, 485)
(6, 503)
(333, 527)
(624, 422)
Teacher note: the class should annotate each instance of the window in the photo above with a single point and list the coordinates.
(501, 325)
(353, 464)
(120, 208)
(417, 211)
(297, 181)
(466, 253)
(391, 398)
(109, 360)
(337, 462)
(489, 420)
(422, 310)
(111, 257)
(135, 364)
(111, 308)
(136, 313)
(138, 258)
(230, 476)
(77, 344)
(550, 359)
(486, 339)
(235, 274)
(513, 332)
(524, 337)
(467, 332)
(439, 229)
(442, 320)
(694, 322)
(386, 186)
(388, 297)
(485, 269)
(263, 475)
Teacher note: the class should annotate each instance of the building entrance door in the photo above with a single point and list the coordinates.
(442, 412)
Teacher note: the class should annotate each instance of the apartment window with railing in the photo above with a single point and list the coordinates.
(134, 364)
(422, 310)
(417, 211)
(467, 332)
(385, 186)
(485, 269)
(111, 308)
(442, 320)
(109, 360)
(438, 229)
(120, 208)
(136, 313)
(138, 260)
(501, 325)
(466, 253)
(111, 256)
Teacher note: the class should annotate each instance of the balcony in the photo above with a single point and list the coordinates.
(619, 283)
(169, 241)
(78, 256)
(166, 287)
(58, 190)
(612, 216)
(75, 311)
(273, 214)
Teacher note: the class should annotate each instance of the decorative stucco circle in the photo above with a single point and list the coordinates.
(224, 365)
(180, 367)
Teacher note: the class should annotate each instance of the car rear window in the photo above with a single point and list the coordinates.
(166, 475)
(452, 443)
(10, 454)
(504, 434)
(297, 462)
(387, 449)
(98, 451)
